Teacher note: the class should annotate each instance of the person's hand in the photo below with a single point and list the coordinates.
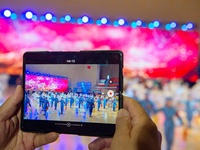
(134, 131)
(11, 135)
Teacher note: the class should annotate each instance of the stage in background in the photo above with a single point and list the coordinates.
(158, 64)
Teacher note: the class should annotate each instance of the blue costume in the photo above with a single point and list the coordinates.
(71, 101)
(169, 113)
(41, 101)
(36, 115)
(84, 89)
(45, 107)
(80, 101)
(90, 106)
(55, 102)
(107, 80)
(114, 104)
(66, 101)
(148, 106)
(104, 102)
(77, 102)
(76, 99)
(98, 104)
(52, 100)
(62, 105)
(26, 103)
(85, 104)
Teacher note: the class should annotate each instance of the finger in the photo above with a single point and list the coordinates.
(100, 144)
(42, 139)
(11, 105)
(135, 110)
(160, 137)
(123, 124)
(15, 122)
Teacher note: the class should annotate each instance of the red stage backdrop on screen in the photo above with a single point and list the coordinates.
(149, 52)
(46, 82)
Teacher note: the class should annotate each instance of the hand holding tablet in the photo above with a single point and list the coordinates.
(134, 131)
(72, 92)
(11, 135)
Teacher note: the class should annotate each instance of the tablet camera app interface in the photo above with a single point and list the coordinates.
(72, 92)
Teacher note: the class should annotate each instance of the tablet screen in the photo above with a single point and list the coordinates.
(72, 92)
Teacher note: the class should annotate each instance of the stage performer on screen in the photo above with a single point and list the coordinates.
(76, 99)
(114, 103)
(46, 107)
(26, 103)
(55, 102)
(41, 100)
(66, 99)
(104, 102)
(85, 103)
(91, 105)
(80, 100)
(98, 103)
(71, 100)
(51, 98)
(62, 105)
(107, 80)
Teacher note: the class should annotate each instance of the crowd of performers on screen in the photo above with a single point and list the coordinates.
(41, 102)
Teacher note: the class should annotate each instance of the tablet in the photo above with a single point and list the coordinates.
(72, 92)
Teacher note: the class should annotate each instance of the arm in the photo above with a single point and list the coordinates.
(179, 118)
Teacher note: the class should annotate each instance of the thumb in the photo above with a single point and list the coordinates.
(123, 123)
(11, 105)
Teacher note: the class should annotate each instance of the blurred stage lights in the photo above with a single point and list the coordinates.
(121, 22)
(104, 20)
(156, 24)
(68, 18)
(173, 25)
(190, 25)
(29, 15)
(7, 13)
(85, 19)
(48, 16)
(138, 23)
(184, 27)
(151, 25)
(167, 27)
(134, 25)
